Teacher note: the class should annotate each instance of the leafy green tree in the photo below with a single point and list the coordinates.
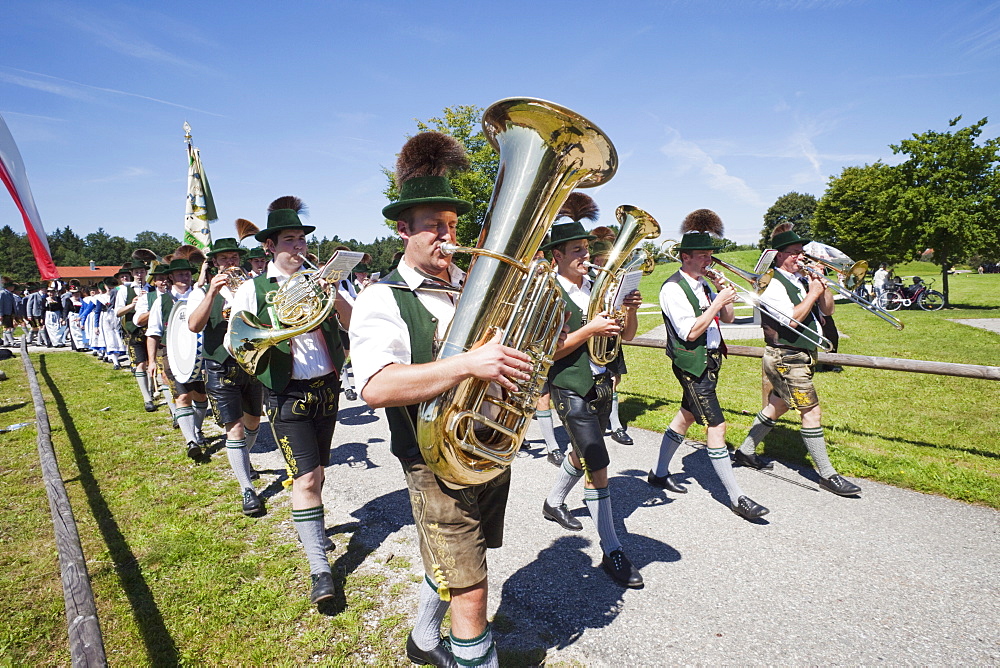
(475, 184)
(16, 259)
(161, 244)
(793, 207)
(105, 249)
(856, 211)
(950, 192)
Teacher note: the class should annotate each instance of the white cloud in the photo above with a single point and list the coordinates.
(688, 156)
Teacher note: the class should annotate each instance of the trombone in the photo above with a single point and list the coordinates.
(752, 297)
(854, 273)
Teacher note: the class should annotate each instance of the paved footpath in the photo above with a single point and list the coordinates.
(893, 577)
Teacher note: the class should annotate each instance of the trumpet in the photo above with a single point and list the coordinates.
(752, 297)
(855, 274)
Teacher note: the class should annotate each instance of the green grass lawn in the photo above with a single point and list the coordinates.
(179, 575)
(931, 433)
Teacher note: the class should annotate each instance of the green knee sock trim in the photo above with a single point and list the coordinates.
(308, 514)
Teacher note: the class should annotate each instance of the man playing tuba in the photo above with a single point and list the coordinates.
(301, 375)
(393, 332)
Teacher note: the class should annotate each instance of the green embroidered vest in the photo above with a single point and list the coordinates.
(573, 371)
(214, 334)
(785, 335)
(689, 356)
(422, 327)
(129, 326)
(277, 361)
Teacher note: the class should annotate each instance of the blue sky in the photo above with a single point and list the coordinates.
(719, 104)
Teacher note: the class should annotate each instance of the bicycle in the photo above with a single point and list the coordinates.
(897, 295)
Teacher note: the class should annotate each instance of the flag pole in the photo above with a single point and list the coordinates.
(200, 208)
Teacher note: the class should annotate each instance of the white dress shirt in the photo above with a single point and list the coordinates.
(776, 297)
(581, 297)
(674, 302)
(380, 336)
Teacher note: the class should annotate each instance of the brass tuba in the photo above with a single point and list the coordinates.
(636, 226)
(470, 434)
(300, 305)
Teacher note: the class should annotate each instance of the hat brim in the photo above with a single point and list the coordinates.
(575, 237)
(242, 251)
(266, 234)
(392, 211)
(801, 240)
(713, 247)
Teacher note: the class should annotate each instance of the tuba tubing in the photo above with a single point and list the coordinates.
(635, 227)
(470, 433)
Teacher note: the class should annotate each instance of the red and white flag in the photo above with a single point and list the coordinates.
(14, 176)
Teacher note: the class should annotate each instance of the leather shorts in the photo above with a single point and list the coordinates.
(585, 419)
(232, 391)
(700, 398)
(790, 372)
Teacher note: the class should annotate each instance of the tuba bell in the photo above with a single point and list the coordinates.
(470, 434)
(636, 226)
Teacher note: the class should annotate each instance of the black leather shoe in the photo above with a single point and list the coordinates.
(254, 474)
(555, 458)
(752, 461)
(665, 483)
(620, 436)
(322, 587)
(748, 509)
(193, 451)
(621, 570)
(350, 395)
(561, 516)
(252, 505)
(149, 406)
(839, 485)
(439, 656)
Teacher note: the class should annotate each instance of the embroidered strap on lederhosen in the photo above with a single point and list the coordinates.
(689, 356)
(573, 371)
(277, 361)
(776, 334)
(421, 326)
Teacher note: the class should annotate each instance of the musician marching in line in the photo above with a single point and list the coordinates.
(581, 390)
(789, 359)
(691, 314)
(393, 333)
(301, 376)
(235, 395)
(258, 261)
(135, 336)
(189, 416)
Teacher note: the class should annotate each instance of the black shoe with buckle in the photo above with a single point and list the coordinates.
(752, 461)
(555, 458)
(322, 587)
(621, 570)
(252, 505)
(748, 509)
(439, 656)
(839, 485)
(665, 483)
(561, 516)
(620, 436)
(149, 406)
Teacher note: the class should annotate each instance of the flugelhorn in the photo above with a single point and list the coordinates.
(471, 433)
(624, 257)
(854, 273)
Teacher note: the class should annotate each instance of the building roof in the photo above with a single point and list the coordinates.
(86, 272)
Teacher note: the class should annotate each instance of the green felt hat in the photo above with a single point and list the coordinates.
(693, 241)
(139, 264)
(785, 239)
(223, 245)
(425, 190)
(126, 269)
(282, 219)
(362, 268)
(563, 232)
(180, 264)
(160, 270)
(256, 252)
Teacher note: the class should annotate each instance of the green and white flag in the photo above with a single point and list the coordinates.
(200, 211)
